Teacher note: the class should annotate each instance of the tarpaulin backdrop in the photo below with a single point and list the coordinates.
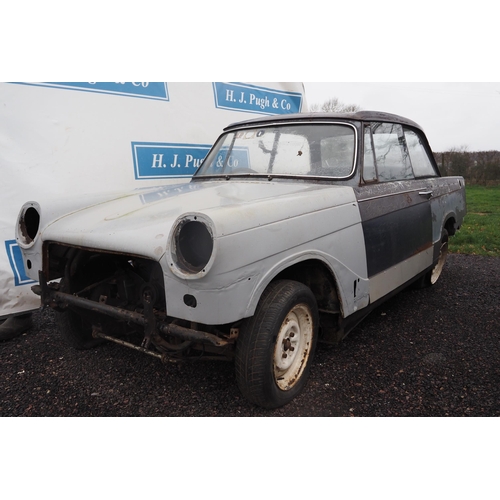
(60, 140)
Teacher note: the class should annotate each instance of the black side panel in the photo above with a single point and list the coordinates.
(396, 223)
(395, 236)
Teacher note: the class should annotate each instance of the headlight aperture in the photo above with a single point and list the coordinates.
(191, 246)
(28, 224)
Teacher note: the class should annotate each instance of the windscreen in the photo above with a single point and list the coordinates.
(324, 150)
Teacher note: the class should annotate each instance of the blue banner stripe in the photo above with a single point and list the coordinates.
(253, 99)
(153, 160)
(145, 90)
(16, 263)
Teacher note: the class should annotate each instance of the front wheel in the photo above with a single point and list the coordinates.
(76, 331)
(275, 347)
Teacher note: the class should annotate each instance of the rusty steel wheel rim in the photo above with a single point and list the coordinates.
(438, 268)
(293, 347)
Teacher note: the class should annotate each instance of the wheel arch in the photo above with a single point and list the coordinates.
(450, 224)
(317, 276)
(312, 271)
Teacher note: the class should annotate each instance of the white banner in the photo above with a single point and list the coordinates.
(60, 140)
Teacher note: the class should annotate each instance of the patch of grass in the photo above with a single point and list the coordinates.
(480, 232)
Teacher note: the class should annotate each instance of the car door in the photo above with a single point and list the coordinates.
(395, 211)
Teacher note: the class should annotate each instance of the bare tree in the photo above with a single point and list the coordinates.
(487, 167)
(334, 105)
(457, 161)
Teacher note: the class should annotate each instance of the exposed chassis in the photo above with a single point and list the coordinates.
(51, 296)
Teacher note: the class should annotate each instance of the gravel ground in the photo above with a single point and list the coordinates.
(432, 352)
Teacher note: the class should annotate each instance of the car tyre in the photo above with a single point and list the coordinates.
(76, 331)
(74, 328)
(275, 347)
(431, 277)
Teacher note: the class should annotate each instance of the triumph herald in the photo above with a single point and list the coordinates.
(291, 231)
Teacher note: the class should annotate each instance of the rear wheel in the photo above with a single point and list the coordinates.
(436, 271)
(432, 276)
(275, 347)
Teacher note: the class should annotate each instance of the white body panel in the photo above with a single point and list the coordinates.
(383, 283)
(295, 222)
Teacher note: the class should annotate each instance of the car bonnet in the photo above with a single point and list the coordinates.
(141, 222)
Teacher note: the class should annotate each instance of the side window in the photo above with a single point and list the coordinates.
(390, 152)
(369, 171)
(422, 166)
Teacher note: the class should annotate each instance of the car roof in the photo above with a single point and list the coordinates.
(363, 116)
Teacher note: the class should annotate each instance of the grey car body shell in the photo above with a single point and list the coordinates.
(260, 228)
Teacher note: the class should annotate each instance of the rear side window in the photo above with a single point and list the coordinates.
(420, 161)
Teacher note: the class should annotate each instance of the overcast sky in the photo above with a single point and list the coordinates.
(436, 42)
(452, 114)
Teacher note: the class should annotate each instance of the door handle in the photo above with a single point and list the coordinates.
(427, 194)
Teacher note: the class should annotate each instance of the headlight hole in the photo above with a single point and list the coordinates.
(29, 224)
(194, 245)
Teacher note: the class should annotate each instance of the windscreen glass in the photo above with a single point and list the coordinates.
(325, 150)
